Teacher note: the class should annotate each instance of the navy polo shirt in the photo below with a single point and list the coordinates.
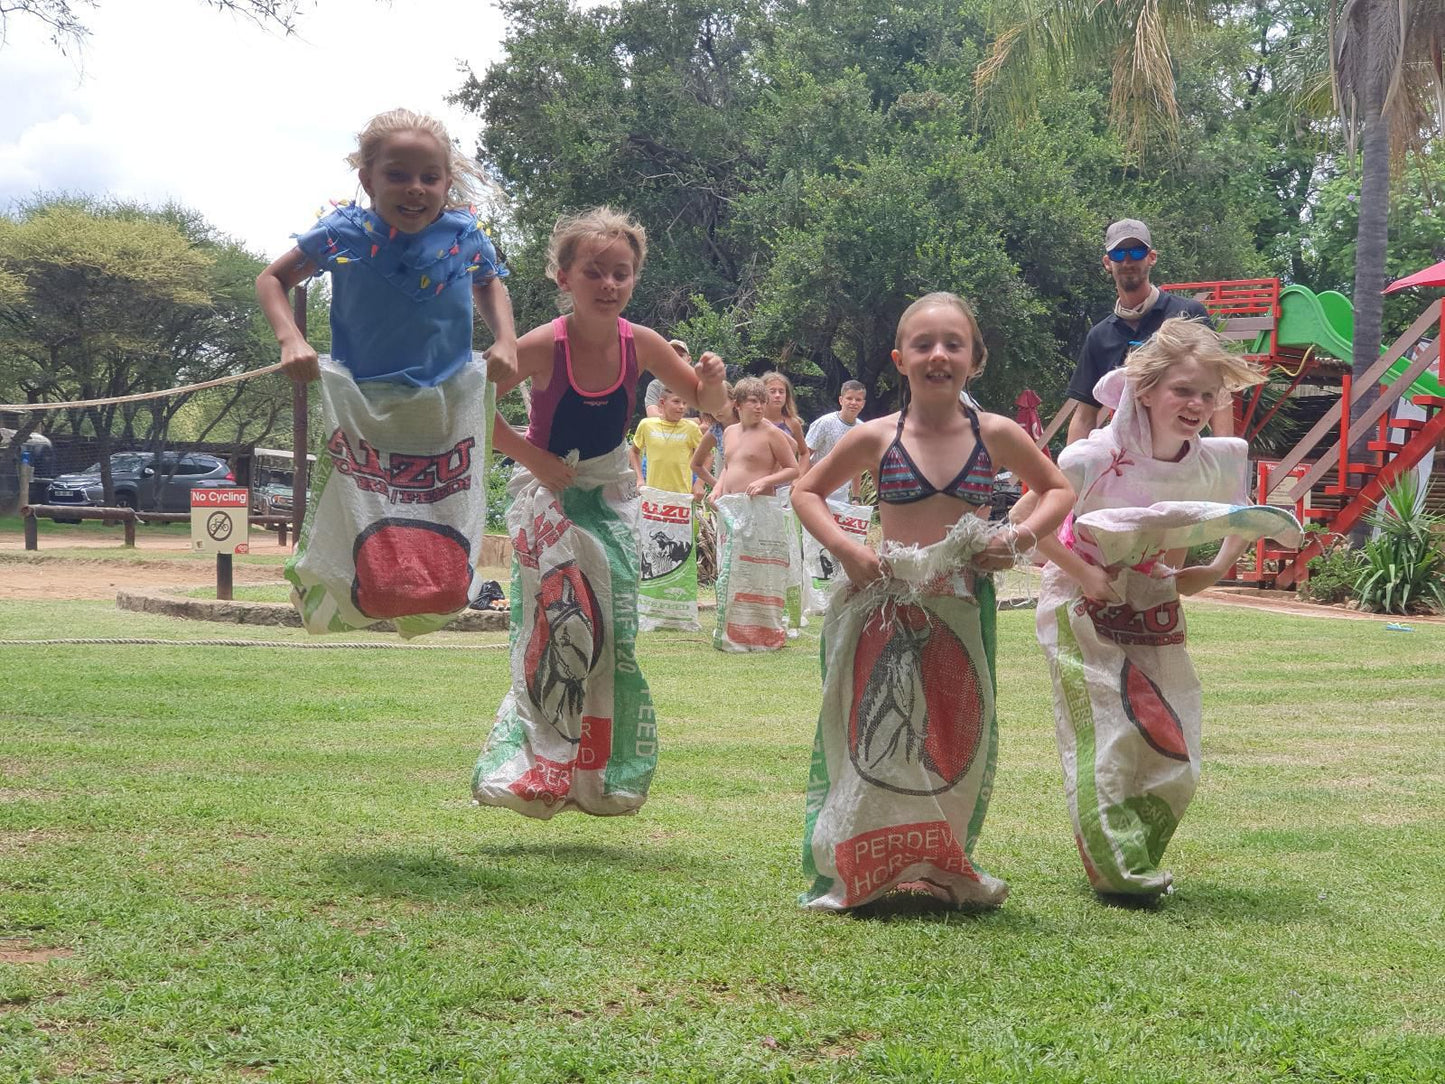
(1111, 339)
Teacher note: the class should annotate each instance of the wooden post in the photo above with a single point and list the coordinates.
(128, 526)
(32, 530)
(299, 407)
(1345, 410)
(223, 577)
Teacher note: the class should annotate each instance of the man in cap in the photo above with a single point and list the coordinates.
(1138, 311)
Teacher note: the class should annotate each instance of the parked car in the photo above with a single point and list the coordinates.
(1006, 493)
(143, 483)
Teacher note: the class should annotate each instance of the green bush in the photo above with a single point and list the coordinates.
(1332, 575)
(1404, 564)
(498, 474)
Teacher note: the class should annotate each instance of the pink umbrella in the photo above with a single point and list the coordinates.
(1431, 276)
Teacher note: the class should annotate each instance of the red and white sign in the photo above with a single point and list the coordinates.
(219, 520)
(220, 498)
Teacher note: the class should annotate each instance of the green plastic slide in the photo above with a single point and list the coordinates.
(1326, 321)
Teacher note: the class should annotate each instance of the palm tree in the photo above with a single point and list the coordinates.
(1385, 60)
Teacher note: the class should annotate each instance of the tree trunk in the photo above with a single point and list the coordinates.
(1371, 237)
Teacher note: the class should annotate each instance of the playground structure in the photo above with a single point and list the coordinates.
(1294, 330)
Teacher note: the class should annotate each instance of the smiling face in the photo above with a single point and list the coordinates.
(1181, 403)
(601, 278)
(408, 180)
(850, 403)
(935, 351)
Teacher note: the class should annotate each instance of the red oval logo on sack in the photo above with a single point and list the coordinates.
(566, 643)
(917, 716)
(406, 566)
(1147, 709)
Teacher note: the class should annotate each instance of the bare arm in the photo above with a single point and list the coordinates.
(800, 444)
(298, 359)
(494, 305)
(1192, 580)
(534, 357)
(1012, 449)
(1082, 422)
(702, 459)
(784, 457)
(700, 385)
(859, 450)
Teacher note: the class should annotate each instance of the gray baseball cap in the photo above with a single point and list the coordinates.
(1126, 229)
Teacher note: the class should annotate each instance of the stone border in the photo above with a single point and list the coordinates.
(175, 602)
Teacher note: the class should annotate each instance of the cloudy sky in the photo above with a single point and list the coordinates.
(171, 99)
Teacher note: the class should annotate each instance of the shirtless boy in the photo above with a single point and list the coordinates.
(757, 455)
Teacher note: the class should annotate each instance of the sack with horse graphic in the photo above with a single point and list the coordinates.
(577, 729)
(907, 741)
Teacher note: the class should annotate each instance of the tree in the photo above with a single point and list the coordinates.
(108, 300)
(67, 27)
(1385, 59)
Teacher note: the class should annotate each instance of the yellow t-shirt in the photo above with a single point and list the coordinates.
(668, 448)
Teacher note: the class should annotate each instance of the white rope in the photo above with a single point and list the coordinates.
(307, 644)
(141, 396)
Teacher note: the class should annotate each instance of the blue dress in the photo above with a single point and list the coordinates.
(401, 303)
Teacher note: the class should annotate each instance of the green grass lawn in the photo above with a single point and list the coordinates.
(263, 863)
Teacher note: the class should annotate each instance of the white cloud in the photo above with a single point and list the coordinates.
(171, 99)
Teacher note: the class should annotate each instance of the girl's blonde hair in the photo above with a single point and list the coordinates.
(790, 405)
(1182, 338)
(466, 181)
(944, 299)
(599, 226)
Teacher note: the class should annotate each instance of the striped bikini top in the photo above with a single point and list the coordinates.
(901, 482)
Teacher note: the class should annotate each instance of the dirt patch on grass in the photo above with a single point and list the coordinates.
(83, 578)
(1287, 602)
(16, 951)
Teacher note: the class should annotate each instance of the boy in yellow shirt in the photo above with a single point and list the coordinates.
(668, 443)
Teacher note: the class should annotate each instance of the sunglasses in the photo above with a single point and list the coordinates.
(1132, 252)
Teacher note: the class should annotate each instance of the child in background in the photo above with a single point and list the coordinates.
(667, 443)
(755, 541)
(707, 460)
(827, 430)
(407, 273)
(782, 411)
(1127, 702)
(904, 757)
(577, 730)
(758, 457)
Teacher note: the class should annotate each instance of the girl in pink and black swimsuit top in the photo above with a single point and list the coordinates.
(564, 416)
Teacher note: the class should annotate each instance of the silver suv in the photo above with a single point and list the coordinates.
(143, 483)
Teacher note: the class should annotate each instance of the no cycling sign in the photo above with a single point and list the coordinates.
(219, 521)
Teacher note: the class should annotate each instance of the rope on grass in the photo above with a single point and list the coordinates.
(141, 396)
(305, 644)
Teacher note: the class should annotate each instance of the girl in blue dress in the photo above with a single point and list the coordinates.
(400, 491)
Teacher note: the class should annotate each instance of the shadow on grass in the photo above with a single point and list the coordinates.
(425, 875)
(569, 857)
(518, 870)
(1281, 904)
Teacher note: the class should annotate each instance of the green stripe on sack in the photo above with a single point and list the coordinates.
(1081, 716)
(633, 755)
(987, 596)
(724, 546)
